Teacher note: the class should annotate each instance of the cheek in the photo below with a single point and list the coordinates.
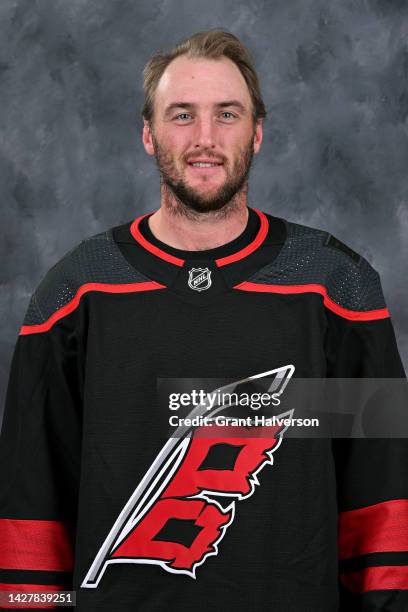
(169, 143)
(177, 153)
(237, 144)
(176, 142)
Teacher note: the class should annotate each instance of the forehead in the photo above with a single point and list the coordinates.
(202, 81)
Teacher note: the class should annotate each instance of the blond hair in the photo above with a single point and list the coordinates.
(211, 44)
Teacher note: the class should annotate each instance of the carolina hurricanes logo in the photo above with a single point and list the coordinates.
(182, 508)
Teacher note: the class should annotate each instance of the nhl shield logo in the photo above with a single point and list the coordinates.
(199, 279)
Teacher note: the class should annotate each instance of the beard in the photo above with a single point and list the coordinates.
(174, 180)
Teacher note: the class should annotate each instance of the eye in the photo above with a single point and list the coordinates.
(181, 114)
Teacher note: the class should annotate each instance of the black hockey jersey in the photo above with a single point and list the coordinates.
(99, 495)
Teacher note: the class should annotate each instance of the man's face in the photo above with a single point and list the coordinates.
(203, 111)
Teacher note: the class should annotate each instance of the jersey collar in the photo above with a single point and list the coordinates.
(165, 255)
(229, 264)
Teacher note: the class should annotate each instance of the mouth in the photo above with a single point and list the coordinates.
(205, 166)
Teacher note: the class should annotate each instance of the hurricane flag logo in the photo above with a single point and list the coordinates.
(184, 505)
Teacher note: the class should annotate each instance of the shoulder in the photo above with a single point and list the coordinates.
(96, 260)
(312, 257)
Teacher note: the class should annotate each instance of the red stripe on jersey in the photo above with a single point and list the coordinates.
(35, 545)
(376, 578)
(138, 236)
(381, 527)
(73, 304)
(222, 261)
(26, 589)
(252, 246)
(353, 315)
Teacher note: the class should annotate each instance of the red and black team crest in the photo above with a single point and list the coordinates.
(185, 503)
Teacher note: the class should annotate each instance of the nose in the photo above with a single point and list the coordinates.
(205, 133)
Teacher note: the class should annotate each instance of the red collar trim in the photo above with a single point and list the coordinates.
(137, 235)
(222, 261)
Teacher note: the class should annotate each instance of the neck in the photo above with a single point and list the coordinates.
(182, 228)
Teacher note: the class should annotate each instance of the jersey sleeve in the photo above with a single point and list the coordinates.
(372, 473)
(40, 446)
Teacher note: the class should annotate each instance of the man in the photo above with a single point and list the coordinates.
(108, 491)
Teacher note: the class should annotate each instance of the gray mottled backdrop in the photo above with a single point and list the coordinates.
(335, 81)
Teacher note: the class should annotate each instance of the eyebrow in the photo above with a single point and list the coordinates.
(191, 105)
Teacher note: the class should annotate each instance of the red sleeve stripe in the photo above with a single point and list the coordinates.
(368, 315)
(376, 579)
(73, 304)
(28, 588)
(381, 527)
(35, 545)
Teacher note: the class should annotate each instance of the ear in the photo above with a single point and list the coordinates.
(147, 138)
(258, 135)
